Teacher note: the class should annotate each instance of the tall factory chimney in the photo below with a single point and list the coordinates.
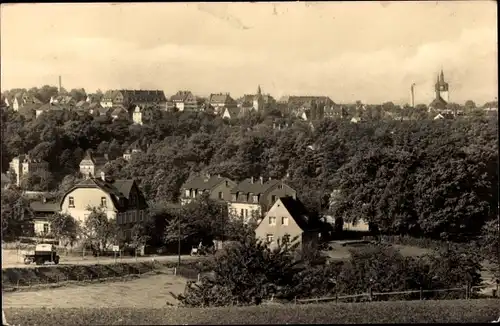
(60, 84)
(412, 95)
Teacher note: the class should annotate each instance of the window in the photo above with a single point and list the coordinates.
(234, 197)
(227, 183)
(246, 212)
(45, 228)
(273, 199)
(272, 220)
(280, 186)
(241, 212)
(187, 192)
(270, 238)
(71, 202)
(255, 198)
(103, 202)
(221, 195)
(141, 216)
(284, 220)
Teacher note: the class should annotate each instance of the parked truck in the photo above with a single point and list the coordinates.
(43, 253)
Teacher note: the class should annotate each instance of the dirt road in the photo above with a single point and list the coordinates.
(12, 259)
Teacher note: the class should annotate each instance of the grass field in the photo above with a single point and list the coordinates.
(456, 311)
(147, 291)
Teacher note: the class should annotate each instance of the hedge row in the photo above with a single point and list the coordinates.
(456, 311)
(55, 274)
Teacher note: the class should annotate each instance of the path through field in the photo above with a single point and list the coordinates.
(145, 292)
(13, 258)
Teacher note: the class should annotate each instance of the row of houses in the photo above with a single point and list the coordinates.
(134, 103)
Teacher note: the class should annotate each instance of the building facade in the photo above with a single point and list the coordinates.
(91, 165)
(252, 197)
(22, 166)
(218, 188)
(287, 220)
(119, 199)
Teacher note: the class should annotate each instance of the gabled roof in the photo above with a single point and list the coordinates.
(438, 103)
(48, 207)
(181, 96)
(299, 213)
(246, 186)
(220, 98)
(29, 109)
(117, 189)
(234, 112)
(202, 182)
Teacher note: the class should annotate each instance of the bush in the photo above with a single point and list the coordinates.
(456, 311)
(245, 273)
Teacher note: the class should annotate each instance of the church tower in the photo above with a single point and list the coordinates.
(442, 88)
(258, 102)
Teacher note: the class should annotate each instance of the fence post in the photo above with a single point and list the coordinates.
(421, 293)
(198, 277)
(370, 294)
(295, 300)
(336, 297)
(175, 270)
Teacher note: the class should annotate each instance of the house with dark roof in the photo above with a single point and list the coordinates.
(288, 219)
(42, 211)
(217, 187)
(235, 112)
(185, 100)
(91, 165)
(129, 98)
(120, 199)
(221, 101)
(252, 197)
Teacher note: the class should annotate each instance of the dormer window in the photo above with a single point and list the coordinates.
(103, 202)
(234, 197)
(255, 198)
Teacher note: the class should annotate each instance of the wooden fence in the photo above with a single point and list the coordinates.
(370, 295)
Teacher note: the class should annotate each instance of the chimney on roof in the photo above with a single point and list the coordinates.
(261, 180)
(103, 176)
(251, 180)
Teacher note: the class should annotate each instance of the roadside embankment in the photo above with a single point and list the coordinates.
(19, 277)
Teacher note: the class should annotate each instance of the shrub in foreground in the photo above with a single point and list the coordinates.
(249, 273)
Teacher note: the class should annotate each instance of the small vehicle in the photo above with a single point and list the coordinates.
(43, 253)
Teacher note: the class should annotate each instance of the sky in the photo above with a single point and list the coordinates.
(367, 51)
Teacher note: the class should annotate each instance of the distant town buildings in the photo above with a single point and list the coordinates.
(23, 165)
(218, 102)
(92, 165)
(128, 98)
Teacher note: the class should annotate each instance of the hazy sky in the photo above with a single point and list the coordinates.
(347, 50)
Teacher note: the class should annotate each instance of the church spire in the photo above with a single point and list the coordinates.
(259, 92)
(441, 76)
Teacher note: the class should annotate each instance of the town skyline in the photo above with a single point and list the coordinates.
(261, 42)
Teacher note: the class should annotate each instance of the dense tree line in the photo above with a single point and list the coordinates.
(419, 177)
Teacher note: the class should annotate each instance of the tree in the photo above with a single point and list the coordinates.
(100, 230)
(245, 273)
(200, 220)
(15, 213)
(469, 105)
(64, 227)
